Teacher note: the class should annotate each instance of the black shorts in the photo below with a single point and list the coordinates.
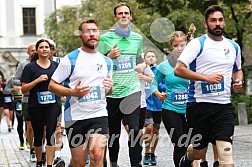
(78, 130)
(209, 122)
(9, 106)
(157, 116)
(1, 102)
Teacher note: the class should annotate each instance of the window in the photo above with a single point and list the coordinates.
(29, 21)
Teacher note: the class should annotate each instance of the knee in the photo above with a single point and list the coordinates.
(96, 157)
(78, 162)
(225, 152)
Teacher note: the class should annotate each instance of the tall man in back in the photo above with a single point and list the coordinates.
(124, 47)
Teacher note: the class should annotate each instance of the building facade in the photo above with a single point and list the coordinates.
(22, 22)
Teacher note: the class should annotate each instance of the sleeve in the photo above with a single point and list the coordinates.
(26, 75)
(8, 88)
(148, 72)
(162, 86)
(238, 60)
(63, 70)
(190, 52)
(19, 70)
(156, 81)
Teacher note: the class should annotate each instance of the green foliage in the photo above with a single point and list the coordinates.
(61, 27)
(238, 98)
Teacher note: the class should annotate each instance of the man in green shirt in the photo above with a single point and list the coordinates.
(124, 47)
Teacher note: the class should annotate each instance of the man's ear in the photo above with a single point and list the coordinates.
(205, 24)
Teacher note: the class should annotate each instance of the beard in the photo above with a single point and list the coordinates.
(217, 31)
(89, 45)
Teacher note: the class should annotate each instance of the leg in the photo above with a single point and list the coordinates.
(37, 121)
(51, 115)
(225, 153)
(7, 115)
(176, 127)
(114, 120)
(135, 147)
(96, 145)
(78, 156)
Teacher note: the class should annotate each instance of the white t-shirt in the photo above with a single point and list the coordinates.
(147, 72)
(217, 57)
(90, 69)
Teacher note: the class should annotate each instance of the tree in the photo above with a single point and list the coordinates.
(61, 27)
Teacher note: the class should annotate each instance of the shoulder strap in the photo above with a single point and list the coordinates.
(201, 39)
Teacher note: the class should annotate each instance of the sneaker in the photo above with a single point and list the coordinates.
(87, 159)
(33, 157)
(43, 159)
(184, 163)
(27, 145)
(153, 160)
(9, 129)
(58, 162)
(21, 147)
(204, 164)
(146, 159)
(216, 164)
(38, 164)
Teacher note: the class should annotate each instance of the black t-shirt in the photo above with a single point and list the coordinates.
(31, 72)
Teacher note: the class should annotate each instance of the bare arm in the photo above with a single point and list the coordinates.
(61, 90)
(238, 81)
(146, 78)
(182, 71)
(26, 87)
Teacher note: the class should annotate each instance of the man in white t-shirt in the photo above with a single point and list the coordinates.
(213, 64)
(87, 77)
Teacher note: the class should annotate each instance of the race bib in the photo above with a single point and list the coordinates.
(93, 95)
(179, 96)
(124, 65)
(46, 97)
(212, 89)
(146, 85)
(18, 106)
(7, 99)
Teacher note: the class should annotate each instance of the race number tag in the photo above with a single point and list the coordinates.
(18, 106)
(93, 95)
(124, 65)
(46, 97)
(212, 89)
(179, 96)
(7, 99)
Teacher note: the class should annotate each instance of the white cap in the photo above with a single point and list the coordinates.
(51, 42)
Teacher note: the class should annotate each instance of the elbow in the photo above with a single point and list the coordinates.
(176, 72)
(50, 87)
(23, 90)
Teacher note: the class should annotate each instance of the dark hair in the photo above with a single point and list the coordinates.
(87, 21)
(212, 9)
(35, 56)
(122, 4)
(150, 51)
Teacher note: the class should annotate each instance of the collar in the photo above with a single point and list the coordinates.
(119, 32)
